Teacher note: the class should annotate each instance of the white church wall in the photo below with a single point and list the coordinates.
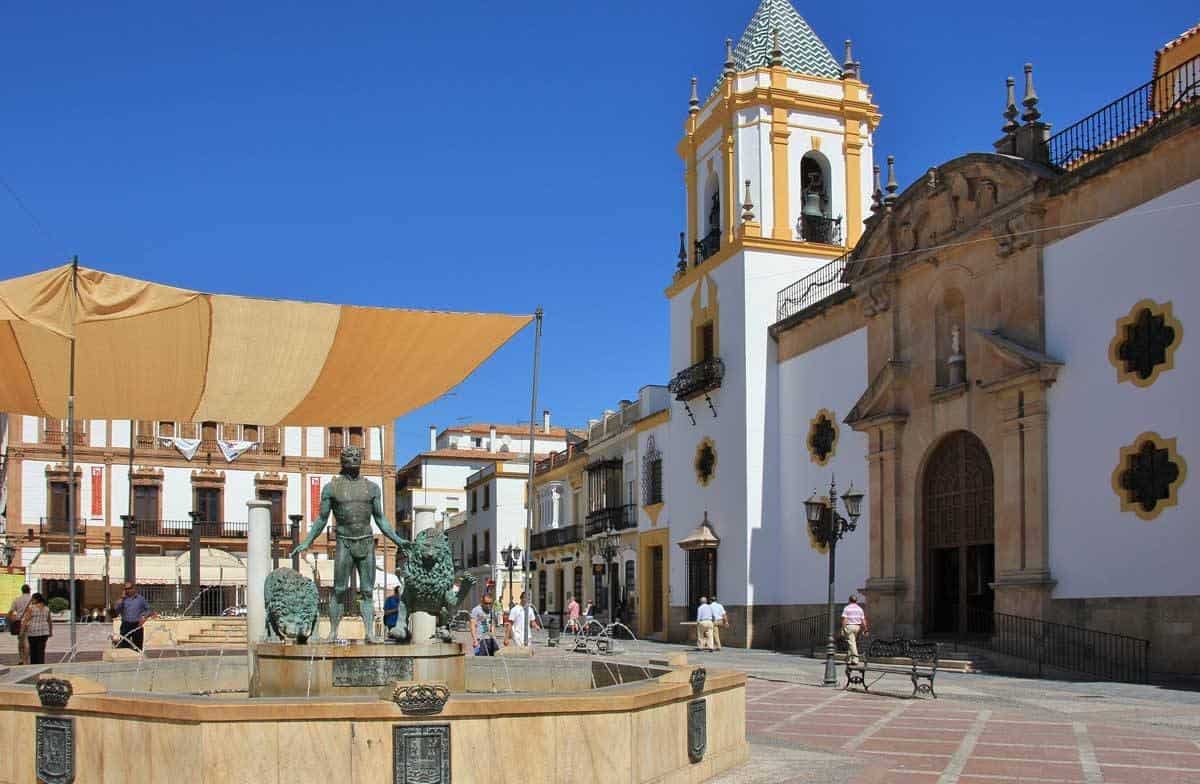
(1092, 279)
(724, 499)
(830, 376)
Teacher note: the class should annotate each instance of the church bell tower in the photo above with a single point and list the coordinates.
(778, 174)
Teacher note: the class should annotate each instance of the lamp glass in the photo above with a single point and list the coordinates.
(853, 500)
(814, 508)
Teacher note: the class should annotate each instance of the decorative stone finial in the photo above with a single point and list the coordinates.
(892, 185)
(747, 206)
(1030, 101)
(849, 67)
(776, 52)
(730, 69)
(877, 193)
(681, 266)
(694, 101)
(1010, 107)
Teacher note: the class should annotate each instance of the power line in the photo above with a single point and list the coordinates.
(41, 227)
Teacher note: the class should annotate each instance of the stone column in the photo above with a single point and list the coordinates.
(423, 625)
(890, 544)
(258, 564)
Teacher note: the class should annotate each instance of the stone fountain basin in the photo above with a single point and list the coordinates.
(635, 731)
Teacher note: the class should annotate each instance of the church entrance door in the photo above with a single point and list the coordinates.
(960, 552)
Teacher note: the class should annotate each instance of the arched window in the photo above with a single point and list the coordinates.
(817, 222)
(710, 243)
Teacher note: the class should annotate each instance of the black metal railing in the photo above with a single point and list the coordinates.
(811, 289)
(554, 537)
(704, 376)
(1128, 117)
(709, 245)
(616, 518)
(183, 600)
(801, 635)
(60, 437)
(61, 526)
(819, 229)
(209, 529)
(1091, 652)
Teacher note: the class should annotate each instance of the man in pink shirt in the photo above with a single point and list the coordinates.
(854, 622)
(572, 614)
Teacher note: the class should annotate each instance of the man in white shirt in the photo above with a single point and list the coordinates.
(719, 620)
(516, 621)
(704, 625)
(854, 621)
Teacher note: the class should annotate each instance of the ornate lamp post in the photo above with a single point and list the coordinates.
(827, 527)
(512, 557)
(608, 545)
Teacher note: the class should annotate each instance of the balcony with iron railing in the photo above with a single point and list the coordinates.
(708, 246)
(704, 376)
(209, 529)
(60, 437)
(615, 518)
(812, 289)
(60, 526)
(556, 459)
(819, 229)
(554, 537)
(1130, 116)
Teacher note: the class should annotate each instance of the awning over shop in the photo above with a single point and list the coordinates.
(55, 566)
(148, 351)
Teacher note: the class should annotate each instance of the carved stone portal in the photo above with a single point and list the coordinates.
(421, 754)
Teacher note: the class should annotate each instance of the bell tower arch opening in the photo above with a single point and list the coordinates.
(959, 553)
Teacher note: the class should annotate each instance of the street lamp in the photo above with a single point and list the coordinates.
(512, 557)
(608, 544)
(827, 527)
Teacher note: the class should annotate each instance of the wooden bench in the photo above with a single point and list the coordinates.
(917, 660)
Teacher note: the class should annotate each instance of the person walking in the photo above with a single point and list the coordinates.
(37, 627)
(572, 614)
(483, 640)
(516, 621)
(704, 625)
(719, 620)
(854, 622)
(134, 610)
(15, 611)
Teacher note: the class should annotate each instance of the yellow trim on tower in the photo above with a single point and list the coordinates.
(781, 227)
(652, 421)
(745, 241)
(645, 574)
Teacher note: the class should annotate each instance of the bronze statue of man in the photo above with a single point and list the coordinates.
(354, 501)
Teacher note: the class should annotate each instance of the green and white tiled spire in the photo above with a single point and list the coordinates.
(803, 51)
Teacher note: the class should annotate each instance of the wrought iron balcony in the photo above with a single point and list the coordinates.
(60, 526)
(709, 245)
(704, 376)
(819, 229)
(811, 289)
(554, 537)
(617, 518)
(1128, 117)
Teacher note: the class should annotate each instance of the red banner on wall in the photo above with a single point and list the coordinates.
(97, 491)
(314, 497)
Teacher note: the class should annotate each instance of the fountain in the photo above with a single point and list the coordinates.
(297, 709)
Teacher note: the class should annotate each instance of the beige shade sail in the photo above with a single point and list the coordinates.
(148, 351)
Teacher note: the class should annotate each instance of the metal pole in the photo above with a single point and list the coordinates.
(830, 647)
(71, 458)
(533, 398)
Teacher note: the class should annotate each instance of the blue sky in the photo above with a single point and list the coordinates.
(468, 155)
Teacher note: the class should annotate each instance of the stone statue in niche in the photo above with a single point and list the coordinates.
(956, 363)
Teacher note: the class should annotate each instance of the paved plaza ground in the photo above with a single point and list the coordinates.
(982, 729)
